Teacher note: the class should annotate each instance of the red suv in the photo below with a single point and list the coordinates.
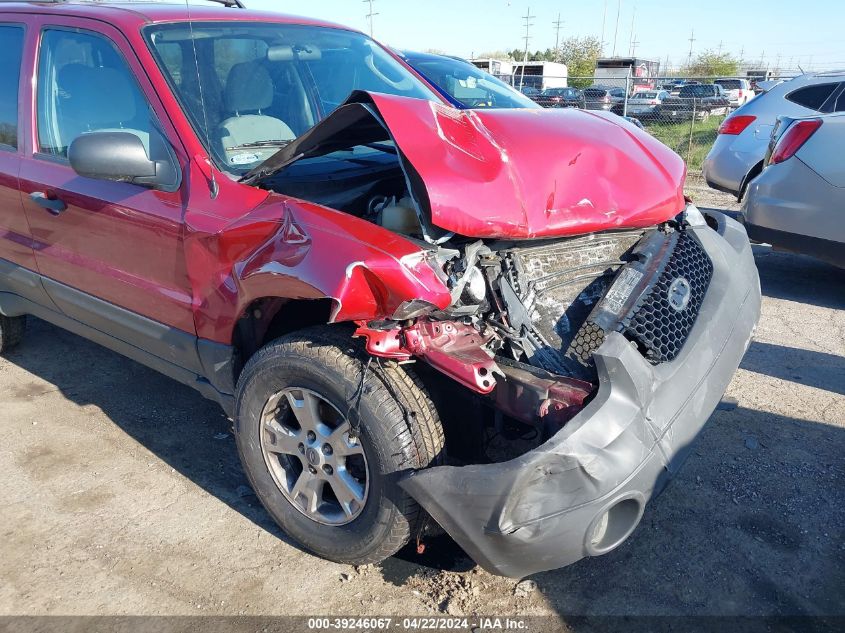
(509, 323)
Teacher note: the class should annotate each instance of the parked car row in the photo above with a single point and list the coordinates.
(681, 100)
(698, 101)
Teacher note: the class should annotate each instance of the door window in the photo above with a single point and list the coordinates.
(85, 85)
(11, 43)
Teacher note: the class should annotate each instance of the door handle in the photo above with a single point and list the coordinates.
(53, 205)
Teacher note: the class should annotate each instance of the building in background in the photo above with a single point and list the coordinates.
(615, 71)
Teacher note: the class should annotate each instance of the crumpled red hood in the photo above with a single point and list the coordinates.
(519, 173)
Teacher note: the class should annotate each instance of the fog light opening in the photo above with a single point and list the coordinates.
(613, 526)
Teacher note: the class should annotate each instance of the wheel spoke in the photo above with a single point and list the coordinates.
(309, 488)
(306, 410)
(343, 445)
(347, 490)
(285, 441)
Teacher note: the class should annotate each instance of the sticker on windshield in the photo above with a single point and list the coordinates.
(621, 289)
(243, 159)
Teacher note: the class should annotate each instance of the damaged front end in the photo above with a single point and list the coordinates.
(586, 301)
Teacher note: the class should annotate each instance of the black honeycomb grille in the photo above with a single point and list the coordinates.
(654, 324)
(588, 339)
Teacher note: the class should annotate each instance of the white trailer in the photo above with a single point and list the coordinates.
(540, 75)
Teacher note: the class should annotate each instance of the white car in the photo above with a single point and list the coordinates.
(737, 155)
(739, 91)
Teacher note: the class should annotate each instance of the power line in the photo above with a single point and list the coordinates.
(603, 22)
(370, 15)
(616, 32)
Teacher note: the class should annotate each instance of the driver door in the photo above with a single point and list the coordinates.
(111, 252)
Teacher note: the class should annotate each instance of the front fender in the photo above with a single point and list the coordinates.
(292, 249)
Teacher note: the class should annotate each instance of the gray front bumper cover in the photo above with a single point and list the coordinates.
(540, 510)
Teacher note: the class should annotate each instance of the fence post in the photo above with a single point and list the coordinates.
(691, 127)
(627, 92)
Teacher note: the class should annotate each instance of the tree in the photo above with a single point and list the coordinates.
(580, 55)
(503, 55)
(711, 64)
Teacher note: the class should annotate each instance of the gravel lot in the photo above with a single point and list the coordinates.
(122, 494)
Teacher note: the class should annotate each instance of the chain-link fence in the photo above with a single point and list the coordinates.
(685, 114)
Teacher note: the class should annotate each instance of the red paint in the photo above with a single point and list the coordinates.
(454, 348)
(534, 173)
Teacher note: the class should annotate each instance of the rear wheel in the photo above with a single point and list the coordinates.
(11, 332)
(323, 434)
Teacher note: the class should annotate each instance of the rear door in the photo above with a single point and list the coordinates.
(15, 243)
(111, 253)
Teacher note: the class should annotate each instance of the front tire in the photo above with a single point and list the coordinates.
(323, 450)
(11, 332)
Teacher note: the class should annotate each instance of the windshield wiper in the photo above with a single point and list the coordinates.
(259, 144)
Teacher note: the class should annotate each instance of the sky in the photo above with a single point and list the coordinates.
(783, 33)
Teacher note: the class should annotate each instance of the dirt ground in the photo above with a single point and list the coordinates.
(122, 494)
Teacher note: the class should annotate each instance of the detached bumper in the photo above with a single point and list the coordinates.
(583, 492)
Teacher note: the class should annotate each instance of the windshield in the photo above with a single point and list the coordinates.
(256, 86)
(729, 84)
(470, 86)
(644, 95)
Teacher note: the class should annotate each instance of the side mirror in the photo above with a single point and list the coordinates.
(121, 156)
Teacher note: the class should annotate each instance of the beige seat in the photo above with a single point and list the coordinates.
(249, 90)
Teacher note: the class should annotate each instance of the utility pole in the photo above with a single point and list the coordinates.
(370, 15)
(631, 45)
(557, 26)
(691, 41)
(603, 21)
(634, 43)
(616, 32)
(528, 24)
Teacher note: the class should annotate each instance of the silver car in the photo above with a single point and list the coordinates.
(797, 202)
(737, 155)
(645, 103)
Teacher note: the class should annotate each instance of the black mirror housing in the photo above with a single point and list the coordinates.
(122, 157)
